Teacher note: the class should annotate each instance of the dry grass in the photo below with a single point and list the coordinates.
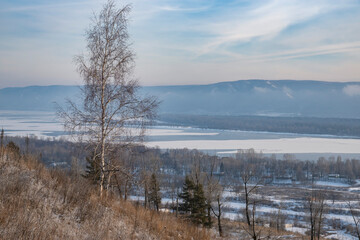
(41, 203)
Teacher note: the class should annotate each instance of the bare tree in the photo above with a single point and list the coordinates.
(112, 112)
(251, 178)
(356, 218)
(214, 193)
(316, 206)
(217, 210)
(250, 184)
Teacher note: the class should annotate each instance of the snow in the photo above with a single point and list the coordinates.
(43, 124)
(331, 184)
(176, 132)
(354, 189)
(282, 145)
(297, 230)
(340, 235)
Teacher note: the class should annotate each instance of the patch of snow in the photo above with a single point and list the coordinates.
(331, 184)
(297, 230)
(340, 235)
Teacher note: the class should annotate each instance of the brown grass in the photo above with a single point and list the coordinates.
(41, 203)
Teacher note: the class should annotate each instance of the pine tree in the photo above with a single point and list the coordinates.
(198, 210)
(2, 138)
(12, 147)
(187, 195)
(222, 168)
(154, 193)
(27, 142)
(93, 168)
(194, 201)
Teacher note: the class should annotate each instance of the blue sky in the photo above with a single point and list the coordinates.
(188, 42)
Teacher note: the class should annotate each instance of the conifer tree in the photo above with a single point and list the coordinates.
(27, 142)
(194, 201)
(187, 195)
(93, 168)
(12, 147)
(198, 210)
(2, 138)
(154, 194)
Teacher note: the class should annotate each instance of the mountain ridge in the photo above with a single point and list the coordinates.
(305, 98)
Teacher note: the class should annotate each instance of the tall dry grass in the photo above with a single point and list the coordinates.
(41, 203)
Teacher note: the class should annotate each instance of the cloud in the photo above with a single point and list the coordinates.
(180, 9)
(352, 90)
(180, 42)
(349, 47)
(264, 21)
(70, 5)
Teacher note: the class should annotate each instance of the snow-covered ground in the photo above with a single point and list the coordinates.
(340, 235)
(332, 184)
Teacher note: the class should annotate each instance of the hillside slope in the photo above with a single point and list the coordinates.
(38, 203)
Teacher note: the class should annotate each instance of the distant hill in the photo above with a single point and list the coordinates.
(36, 98)
(245, 97)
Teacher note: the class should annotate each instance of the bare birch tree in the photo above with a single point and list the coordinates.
(111, 112)
(316, 206)
(355, 216)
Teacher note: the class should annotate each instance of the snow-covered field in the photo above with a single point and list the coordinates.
(293, 209)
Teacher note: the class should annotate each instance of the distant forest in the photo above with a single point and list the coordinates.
(300, 125)
(176, 163)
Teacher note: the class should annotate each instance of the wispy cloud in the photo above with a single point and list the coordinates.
(351, 47)
(264, 21)
(45, 6)
(190, 41)
(182, 9)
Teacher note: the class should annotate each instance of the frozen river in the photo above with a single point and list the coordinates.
(45, 124)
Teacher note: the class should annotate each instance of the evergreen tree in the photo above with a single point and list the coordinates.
(187, 195)
(154, 194)
(13, 148)
(198, 210)
(93, 168)
(27, 141)
(194, 201)
(2, 138)
(222, 168)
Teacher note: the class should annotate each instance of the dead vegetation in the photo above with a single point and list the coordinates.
(41, 203)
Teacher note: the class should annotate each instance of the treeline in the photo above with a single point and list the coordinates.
(192, 182)
(300, 125)
(51, 152)
(179, 162)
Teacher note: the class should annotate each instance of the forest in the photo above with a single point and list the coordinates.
(301, 125)
(206, 190)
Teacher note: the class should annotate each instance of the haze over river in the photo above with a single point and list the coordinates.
(221, 142)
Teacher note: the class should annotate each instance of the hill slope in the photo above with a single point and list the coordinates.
(38, 203)
(245, 97)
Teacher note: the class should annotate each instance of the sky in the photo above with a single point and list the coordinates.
(187, 42)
